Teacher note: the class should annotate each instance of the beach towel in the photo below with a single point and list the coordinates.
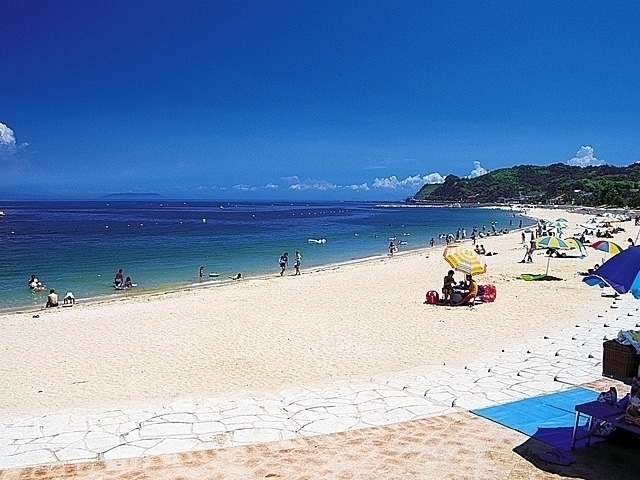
(630, 337)
(530, 277)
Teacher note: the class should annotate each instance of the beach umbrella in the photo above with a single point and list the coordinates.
(562, 219)
(554, 243)
(621, 272)
(465, 260)
(558, 224)
(575, 244)
(607, 247)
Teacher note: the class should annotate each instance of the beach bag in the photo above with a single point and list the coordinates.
(632, 414)
(602, 428)
(488, 293)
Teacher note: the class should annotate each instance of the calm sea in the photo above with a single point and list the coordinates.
(77, 246)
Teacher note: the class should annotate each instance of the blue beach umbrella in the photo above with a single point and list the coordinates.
(621, 272)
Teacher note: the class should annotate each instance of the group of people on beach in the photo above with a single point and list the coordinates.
(283, 262)
(469, 285)
(120, 282)
(36, 285)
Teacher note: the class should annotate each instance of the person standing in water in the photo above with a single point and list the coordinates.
(297, 263)
(283, 262)
(118, 279)
(201, 273)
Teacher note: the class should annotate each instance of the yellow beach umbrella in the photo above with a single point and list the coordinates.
(465, 260)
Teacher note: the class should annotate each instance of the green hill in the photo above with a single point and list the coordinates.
(559, 183)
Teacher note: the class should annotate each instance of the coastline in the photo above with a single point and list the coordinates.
(333, 323)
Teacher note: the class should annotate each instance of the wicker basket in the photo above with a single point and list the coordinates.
(619, 361)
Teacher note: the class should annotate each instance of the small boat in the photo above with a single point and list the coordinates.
(405, 234)
(214, 275)
(317, 240)
(403, 243)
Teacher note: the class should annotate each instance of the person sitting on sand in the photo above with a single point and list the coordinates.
(52, 299)
(447, 287)
(482, 250)
(473, 291)
(69, 298)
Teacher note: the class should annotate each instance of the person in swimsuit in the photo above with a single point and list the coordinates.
(283, 262)
(447, 287)
(118, 278)
(298, 262)
(52, 299)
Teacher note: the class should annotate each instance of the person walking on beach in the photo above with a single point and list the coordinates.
(297, 263)
(431, 242)
(283, 262)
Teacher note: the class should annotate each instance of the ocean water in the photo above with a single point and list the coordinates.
(78, 246)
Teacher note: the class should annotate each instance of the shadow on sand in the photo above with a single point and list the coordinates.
(616, 458)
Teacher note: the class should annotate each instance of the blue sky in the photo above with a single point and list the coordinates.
(308, 100)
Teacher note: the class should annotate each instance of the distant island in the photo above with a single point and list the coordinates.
(132, 196)
(558, 183)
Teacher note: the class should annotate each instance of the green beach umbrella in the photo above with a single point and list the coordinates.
(554, 243)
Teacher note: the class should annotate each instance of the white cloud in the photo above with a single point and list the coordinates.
(478, 170)
(312, 184)
(413, 182)
(270, 186)
(433, 178)
(362, 187)
(243, 187)
(584, 157)
(8, 140)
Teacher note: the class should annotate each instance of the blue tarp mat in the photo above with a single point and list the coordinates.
(548, 418)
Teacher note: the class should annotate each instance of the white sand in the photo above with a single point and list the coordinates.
(258, 335)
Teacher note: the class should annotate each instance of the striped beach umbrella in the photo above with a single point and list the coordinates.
(465, 260)
(551, 242)
(607, 247)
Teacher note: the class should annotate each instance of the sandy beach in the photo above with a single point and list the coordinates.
(258, 335)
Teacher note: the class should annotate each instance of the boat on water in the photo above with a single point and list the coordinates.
(2, 213)
(317, 240)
